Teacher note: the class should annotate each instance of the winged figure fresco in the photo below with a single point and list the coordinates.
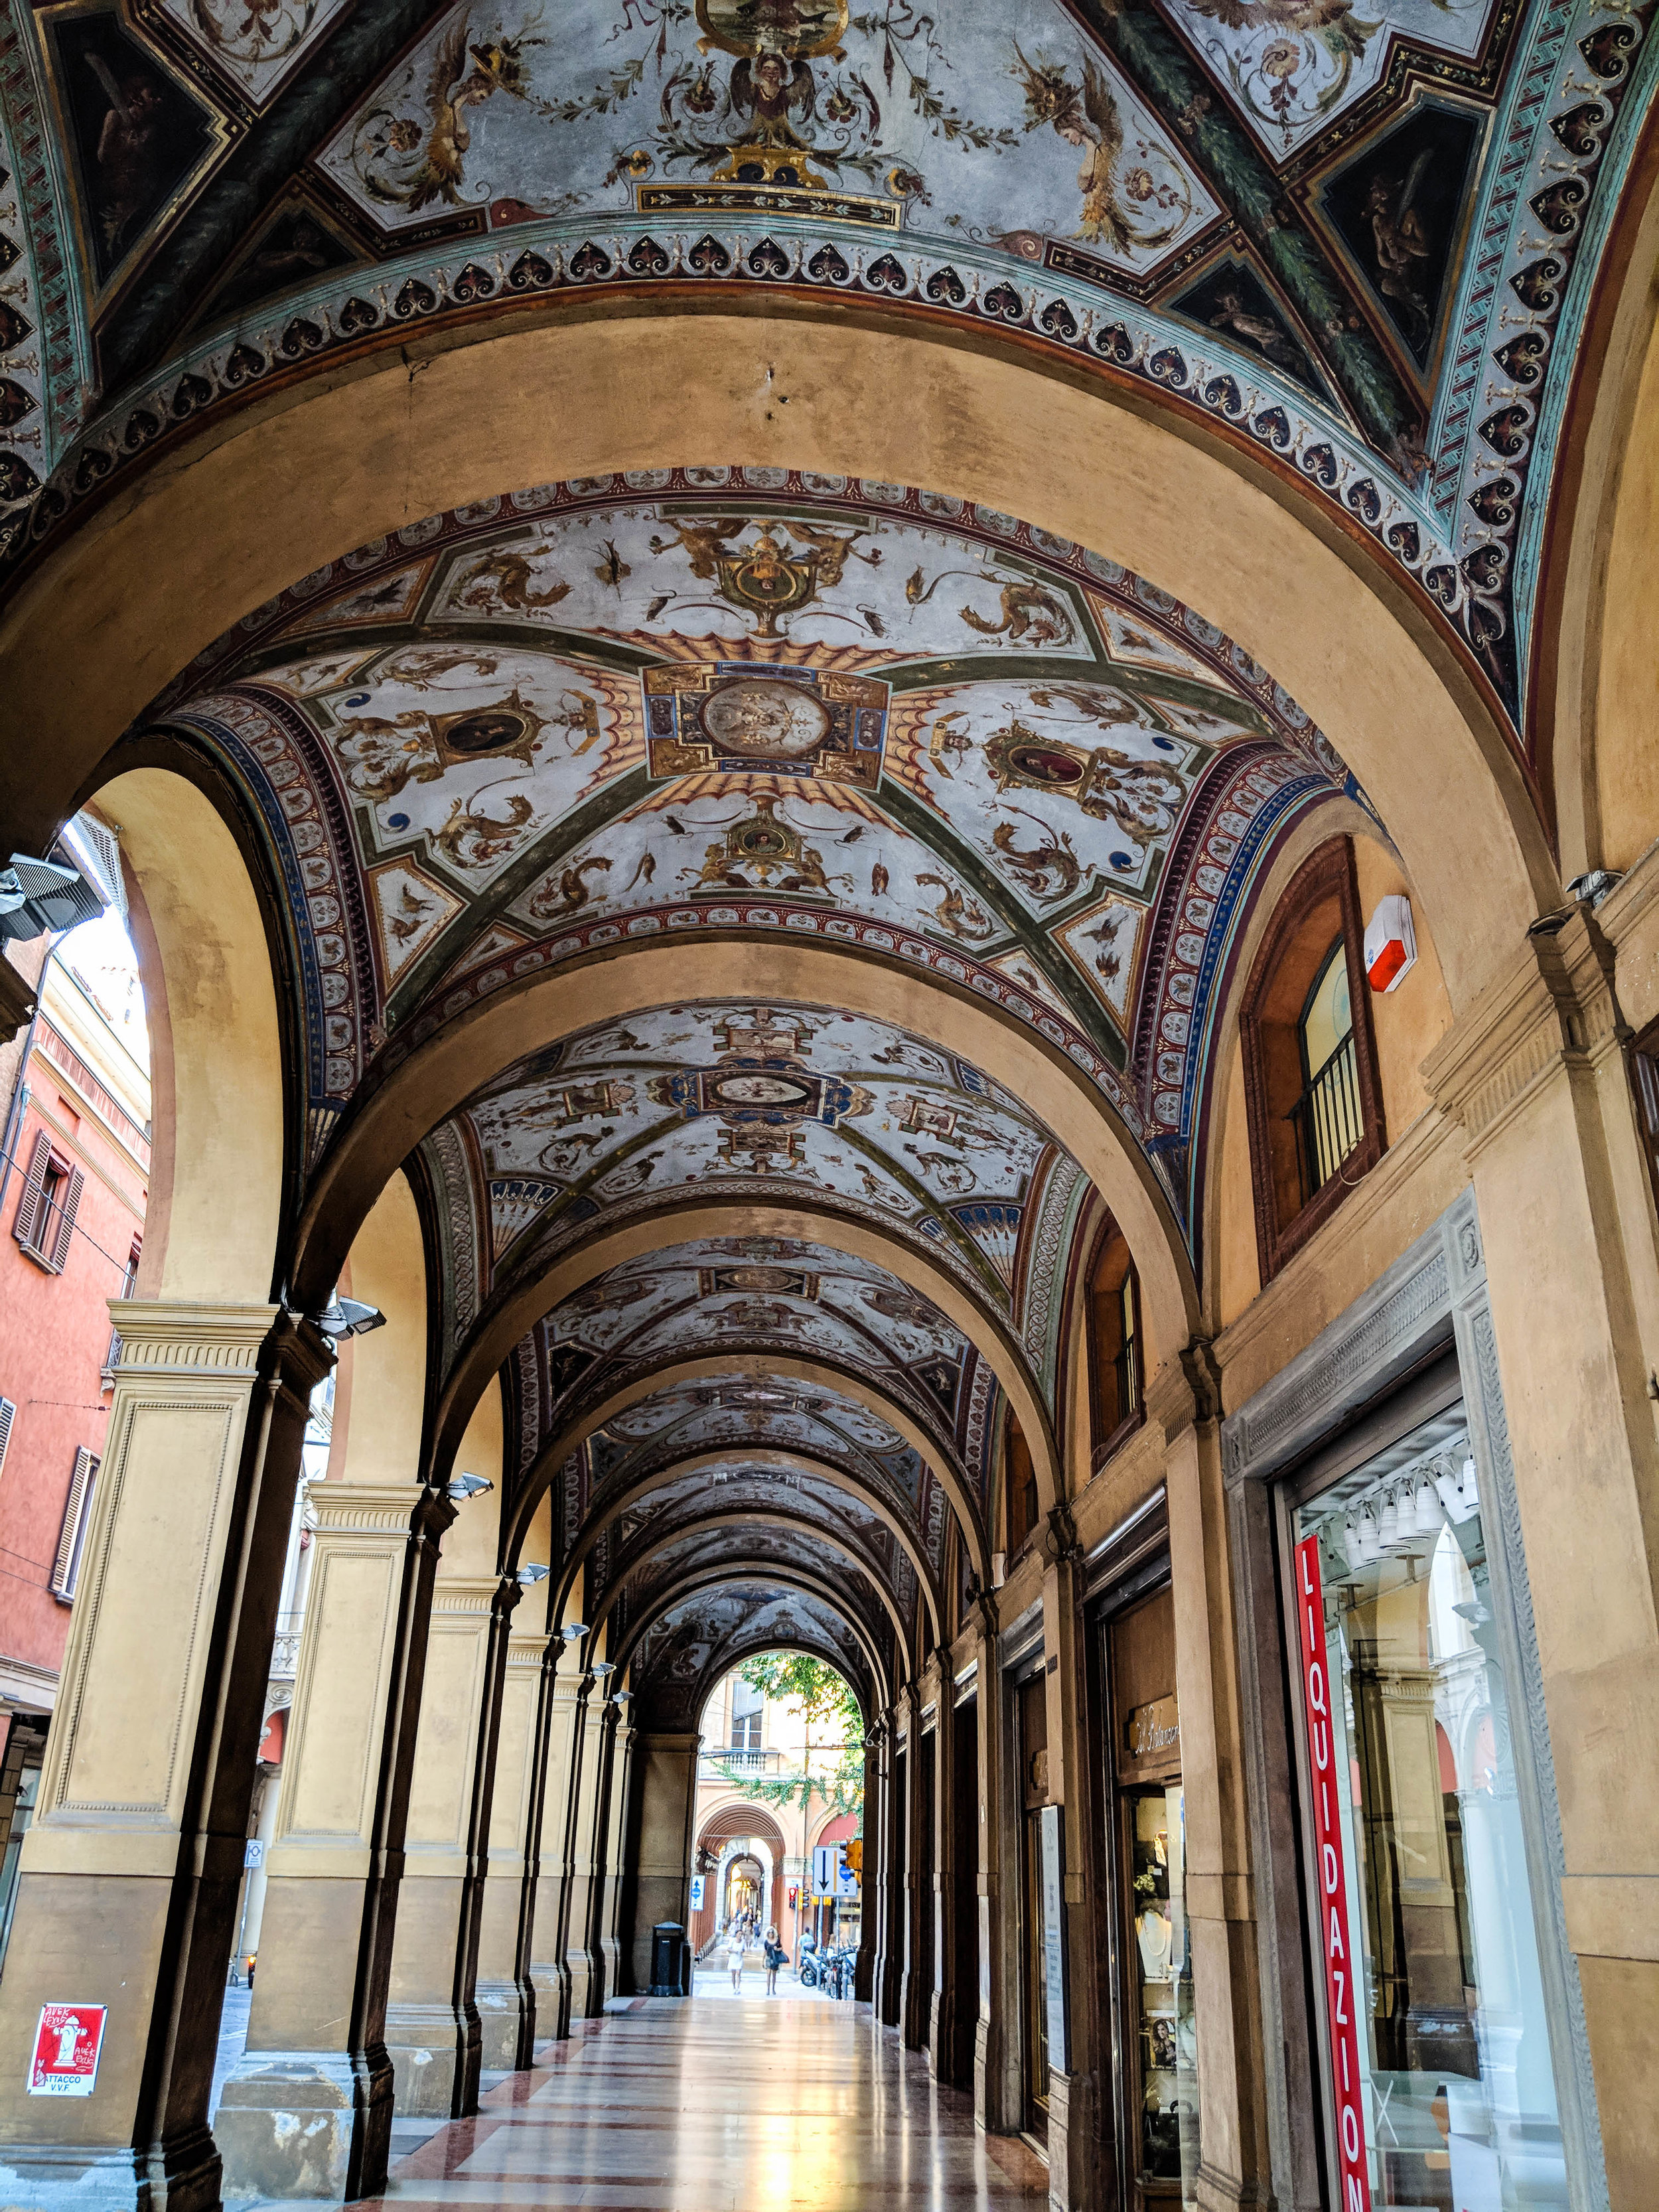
(409, 162)
(1085, 115)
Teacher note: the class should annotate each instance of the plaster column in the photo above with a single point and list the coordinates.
(1236, 2164)
(618, 1873)
(666, 1767)
(951, 1897)
(585, 1895)
(895, 1866)
(915, 1986)
(1556, 1298)
(432, 2022)
(253, 1903)
(987, 2051)
(131, 1874)
(1074, 2085)
(307, 2111)
(504, 1994)
(867, 1967)
(550, 1969)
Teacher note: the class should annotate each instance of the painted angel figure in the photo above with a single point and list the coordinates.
(1086, 115)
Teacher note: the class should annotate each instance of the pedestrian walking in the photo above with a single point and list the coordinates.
(734, 1950)
(773, 1960)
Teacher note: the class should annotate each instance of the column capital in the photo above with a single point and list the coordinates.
(165, 1338)
(1186, 1391)
(377, 1508)
(1556, 1008)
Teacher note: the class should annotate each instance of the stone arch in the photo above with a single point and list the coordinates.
(797, 1579)
(693, 1217)
(755, 1366)
(148, 582)
(541, 1009)
(745, 1520)
(222, 1058)
(768, 1457)
(1594, 676)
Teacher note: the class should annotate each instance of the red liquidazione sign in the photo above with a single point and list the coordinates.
(1343, 1985)
(67, 2045)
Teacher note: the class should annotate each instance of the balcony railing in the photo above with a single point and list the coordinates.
(727, 1760)
(1329, 1118)
(285, 1647)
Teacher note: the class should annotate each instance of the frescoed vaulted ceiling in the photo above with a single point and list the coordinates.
(709, 704)
(1365, 238)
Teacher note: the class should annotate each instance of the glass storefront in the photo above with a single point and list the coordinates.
(1442, 2093)
(1158, 2033)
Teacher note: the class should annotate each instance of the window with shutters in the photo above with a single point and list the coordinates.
(44, 1221)
(8, 1415)
(77, 1518)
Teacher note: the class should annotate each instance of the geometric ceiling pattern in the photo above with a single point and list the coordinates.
(1364, 243)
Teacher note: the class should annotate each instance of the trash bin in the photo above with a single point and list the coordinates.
(668, 1959)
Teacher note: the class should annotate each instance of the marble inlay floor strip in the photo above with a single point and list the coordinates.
(703, 2105)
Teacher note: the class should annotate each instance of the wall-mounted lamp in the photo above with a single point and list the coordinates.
(348, 1317)
(604, 1667)
(530, 1574)
(460, 1488)
(575, 1632)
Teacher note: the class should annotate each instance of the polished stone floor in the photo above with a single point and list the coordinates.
(707, 2106)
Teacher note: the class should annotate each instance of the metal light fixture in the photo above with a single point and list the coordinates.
(575, 1632)
(531, 1573)
(460, 1488)
(349, 1317)
(604, 1667)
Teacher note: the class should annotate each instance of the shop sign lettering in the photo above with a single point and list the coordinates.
(67, 2044)
(1344, 1988)
(1153, 1729)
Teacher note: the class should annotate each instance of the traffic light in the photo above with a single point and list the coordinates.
(854, 1856)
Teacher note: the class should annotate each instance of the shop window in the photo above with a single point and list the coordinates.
(1115, 1368)
(1442, 2089)
(1312, 1096)
(1147, 1849)
(1021, 1485)
(45, 1221)
(1032, 1721)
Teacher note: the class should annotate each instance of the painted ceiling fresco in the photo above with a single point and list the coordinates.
(1365, 237)
(716, 699)
(680, 1652)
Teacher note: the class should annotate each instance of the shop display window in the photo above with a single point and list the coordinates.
(1161, 1972)
(1442, 2087)
(1157, 2033)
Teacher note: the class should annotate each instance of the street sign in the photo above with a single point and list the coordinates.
(699, 1887)
(253, 1853)
(67, 2044)
(823, 1869)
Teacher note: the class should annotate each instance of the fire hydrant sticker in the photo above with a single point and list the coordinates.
(67, 2044)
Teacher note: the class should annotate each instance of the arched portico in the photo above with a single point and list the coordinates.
(390, 442)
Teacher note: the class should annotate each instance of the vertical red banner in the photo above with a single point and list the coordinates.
(1344, 1974)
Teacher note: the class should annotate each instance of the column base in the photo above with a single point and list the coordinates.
(1225, 2192)
(985, 2109)
(506, 2024)
(551, 1982)
(1071, 2170)
(587, 1984)
(434, 2053)
(69, 2177)
(297, 2124)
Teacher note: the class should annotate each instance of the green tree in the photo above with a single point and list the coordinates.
(832, 1768)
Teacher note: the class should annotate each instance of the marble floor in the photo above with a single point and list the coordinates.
(707, 2106)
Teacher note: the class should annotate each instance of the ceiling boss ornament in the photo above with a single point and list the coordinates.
(731, 718)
